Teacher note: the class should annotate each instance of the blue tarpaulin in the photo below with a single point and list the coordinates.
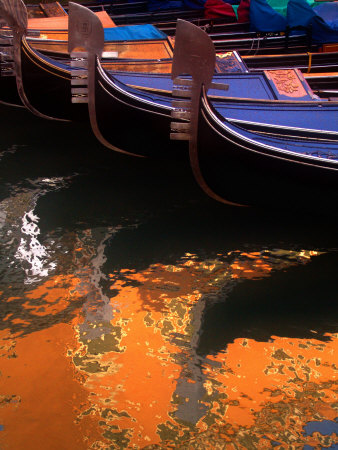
(133, 33)
(329, 13)
(194, 4)
(300, 14)
(265, 18)
(159, 5)
(320, 21)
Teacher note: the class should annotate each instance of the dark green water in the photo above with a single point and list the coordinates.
(152, 303)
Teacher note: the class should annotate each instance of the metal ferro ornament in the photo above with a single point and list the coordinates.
(15, 14)
(194, 55)
(85, 45)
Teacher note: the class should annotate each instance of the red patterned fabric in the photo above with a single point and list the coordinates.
(218, 8)
(243, 11)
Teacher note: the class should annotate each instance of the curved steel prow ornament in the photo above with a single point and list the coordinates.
(15, 14)
(86, 37)
(85, 45)
(194, 55)
(85, 30)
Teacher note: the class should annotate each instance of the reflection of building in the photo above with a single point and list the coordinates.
(114, 357)
(147, 382)
(268, 392)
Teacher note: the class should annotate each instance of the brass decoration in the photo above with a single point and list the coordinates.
(229, 62)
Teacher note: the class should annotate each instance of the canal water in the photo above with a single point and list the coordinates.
(138, 313)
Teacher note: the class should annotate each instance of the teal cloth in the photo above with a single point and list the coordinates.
(133, 33)
(281, 5)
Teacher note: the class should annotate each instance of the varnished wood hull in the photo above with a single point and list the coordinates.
(152, 49)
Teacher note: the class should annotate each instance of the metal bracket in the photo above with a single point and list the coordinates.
(79, 61)
(182, 109)
(14, 13)
(6, 40)
(6, 54)
(7, 64)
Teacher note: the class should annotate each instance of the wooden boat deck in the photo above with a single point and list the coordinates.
(150, 50)
(60, 23)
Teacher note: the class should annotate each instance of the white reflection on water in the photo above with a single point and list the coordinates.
(35, 258)
(31, 251)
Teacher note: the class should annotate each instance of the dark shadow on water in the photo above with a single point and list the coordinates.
(162, 215)
(300, 302)
(172, 214)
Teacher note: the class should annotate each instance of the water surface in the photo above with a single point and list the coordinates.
(138, 313)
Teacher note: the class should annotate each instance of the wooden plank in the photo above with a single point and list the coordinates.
(138, 66)
(61, 22)
(53, 9)
(156, 49)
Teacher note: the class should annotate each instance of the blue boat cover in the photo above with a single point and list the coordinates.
(278, 15)
(265, 18)
(133, 33)
(328, 12)
(159, 5)
(194, 4)
(322, 20)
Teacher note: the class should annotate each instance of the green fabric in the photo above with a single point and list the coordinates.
(281, 5)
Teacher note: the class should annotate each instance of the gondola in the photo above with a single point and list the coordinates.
(236, 36)
(247, 43)
(44, 83)
(112, 7)
(263, 149)
(39, 84)
(111, 96)
(125, 13)
(268, 30)
(228, 36)
(45, 88)
(262, 51)
(241, 153)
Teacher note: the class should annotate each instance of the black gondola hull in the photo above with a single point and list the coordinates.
(47, 86)
(240, 171)
(134, 123)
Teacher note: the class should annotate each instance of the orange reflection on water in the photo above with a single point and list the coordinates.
(41, 393)
(57, 293)
(112, 376)
(274, 389)
(133, 392)
(257, 265)
(135, 378)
